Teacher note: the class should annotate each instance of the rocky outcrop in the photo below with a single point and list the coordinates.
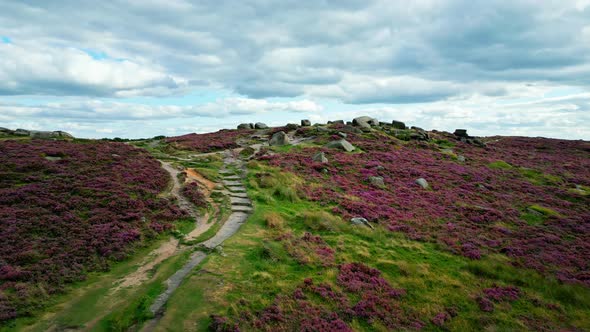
(305, 123)
(260, 125)
(40, 134)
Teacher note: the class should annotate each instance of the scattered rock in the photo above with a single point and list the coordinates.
(359, 221)
(245, 126)
(341, 144)
(320, 157)
(365, 122)
(419, 134)
(279, 138)
(461, 133)
(260, 125)
(305, 123)
(422, 183)
(377, 181)
(379, 168)
(343, 135)
(461, 158)
(398, 124)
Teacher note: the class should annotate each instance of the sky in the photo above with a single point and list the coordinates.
(141, 68)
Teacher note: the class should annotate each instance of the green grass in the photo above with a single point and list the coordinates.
(256, 267)
(500, 164)
(94, 301)
(540, 178)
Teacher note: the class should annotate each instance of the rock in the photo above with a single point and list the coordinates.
(336, 122)
(341, 144)
(461, 133)
(22, 132)
(359, 221)
(245, 126)
(377, 181)
(279, 138)
(260, 125)
(365, 122)
(305, 123)
(461, 158)
(325, 171)
(379, 168)
(322, 129)
(419, 134)
(351, 129)
(422, 183)
(341, 134)
(320, 157)
(398, 124)
(478, 142)
(49, 134)
(291, 126)
(5, 130)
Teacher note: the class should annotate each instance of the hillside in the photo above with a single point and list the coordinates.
(360, 226)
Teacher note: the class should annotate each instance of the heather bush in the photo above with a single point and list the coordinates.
(194, 194)
(485, 205)
(210, 142)
(61, 218)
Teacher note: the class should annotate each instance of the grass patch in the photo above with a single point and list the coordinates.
(500, 164)
(540, 178)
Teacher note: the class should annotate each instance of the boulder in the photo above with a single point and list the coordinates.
(341, 144)
(461, 158)
(398, 124)
(305, 123)
(336, 122)
(260, 125)
(377, 181)
(341, 134)
(291, 126)
(461, 133)
(49, 134)
(365, 122)
(419, 134)
(360, 221)
(279, 138)
(422, 183)
(5, 130)
(351, 129)
(63, 134)
(245, 126)
(320, 157)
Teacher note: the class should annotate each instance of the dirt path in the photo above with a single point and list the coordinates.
(241, 206)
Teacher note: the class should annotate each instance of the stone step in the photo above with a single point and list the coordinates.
(226, 172)
(240, 201)
(236, 189)
(232, 177)
(240, 208)
(232, 183)
(240, 195)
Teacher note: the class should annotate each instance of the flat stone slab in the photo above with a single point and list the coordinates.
(229, 228)
(240, 195)
(226, 172)
(232, 177)
(240, 201)
(236, 189)
(241, 208)
(175, 280)
(232, 183)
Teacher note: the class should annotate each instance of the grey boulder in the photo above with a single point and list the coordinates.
(305, 123)
(320, 157)
(279, 138)
(365, 122)
(341, 144)
(398, 124)
(260, 125)
(377, 181)
(422, 183)
(245, 126)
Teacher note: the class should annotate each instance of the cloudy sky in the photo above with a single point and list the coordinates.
(140, 68)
